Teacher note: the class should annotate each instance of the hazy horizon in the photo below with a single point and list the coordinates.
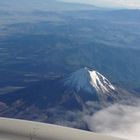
(134, 4)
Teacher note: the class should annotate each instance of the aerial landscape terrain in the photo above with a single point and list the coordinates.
(71, 64)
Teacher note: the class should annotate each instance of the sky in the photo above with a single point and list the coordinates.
(134, 4)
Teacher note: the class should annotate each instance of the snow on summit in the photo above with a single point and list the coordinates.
(99, 82)
(89, 80)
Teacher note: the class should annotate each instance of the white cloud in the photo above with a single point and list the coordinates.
(117, 120)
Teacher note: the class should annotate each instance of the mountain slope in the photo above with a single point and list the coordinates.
(64, 99)
(88, 79)
(93, 84)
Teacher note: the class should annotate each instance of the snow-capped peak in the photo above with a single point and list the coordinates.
(89, 80)
(99, 82)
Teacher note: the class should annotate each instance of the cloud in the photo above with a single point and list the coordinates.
(119, 120)
(116, 120)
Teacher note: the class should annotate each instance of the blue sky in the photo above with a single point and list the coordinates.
(110, 3)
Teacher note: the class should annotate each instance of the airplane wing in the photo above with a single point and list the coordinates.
(12, 129)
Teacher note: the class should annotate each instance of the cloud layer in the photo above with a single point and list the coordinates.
(117, 120)
(110, 3)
